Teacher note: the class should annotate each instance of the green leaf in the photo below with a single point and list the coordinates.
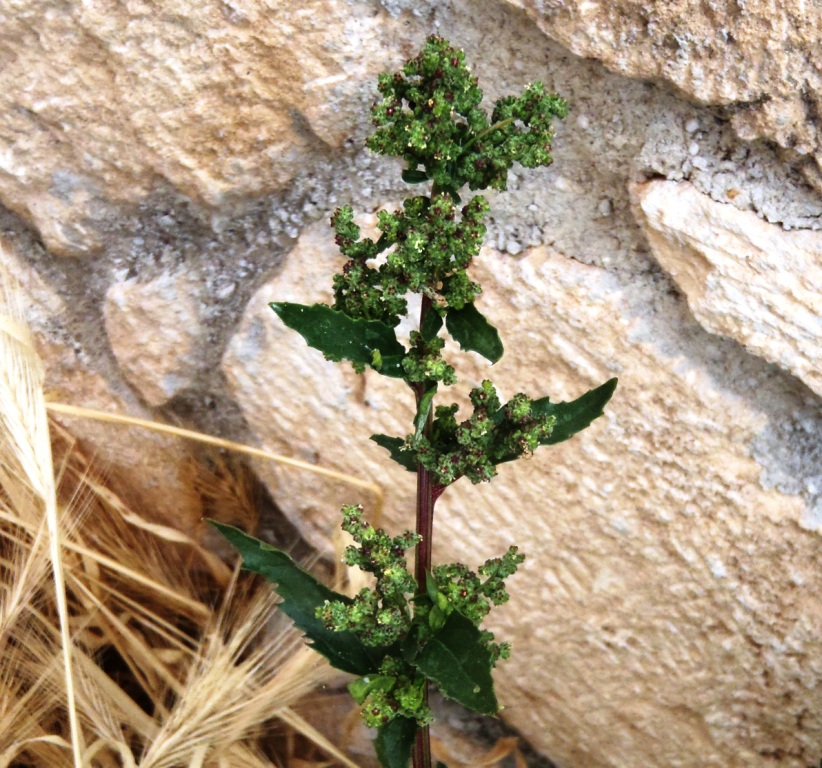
(340, 337)
(431, 324)
(301, 595)
(395, 741)
(458, 662)
(423, 409)
(469, 327)
(576, 415)
(394, 446)
(414, 176)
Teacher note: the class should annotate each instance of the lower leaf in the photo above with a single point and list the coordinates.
(457, 660)
(395, 741)
(301, 595)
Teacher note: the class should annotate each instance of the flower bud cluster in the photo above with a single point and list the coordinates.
(430, 115)
(396, 691)
(381, 615)
(432, 246)
(424, 361)
(491, 435)
(465, 591)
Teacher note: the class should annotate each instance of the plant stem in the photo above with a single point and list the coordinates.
(421, 757)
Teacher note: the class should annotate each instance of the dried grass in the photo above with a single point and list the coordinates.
(123, 642)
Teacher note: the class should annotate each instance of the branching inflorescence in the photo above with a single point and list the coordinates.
(409, 630)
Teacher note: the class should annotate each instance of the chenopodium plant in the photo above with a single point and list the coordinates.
(409, 630)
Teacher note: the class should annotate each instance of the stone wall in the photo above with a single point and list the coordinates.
(166, 169)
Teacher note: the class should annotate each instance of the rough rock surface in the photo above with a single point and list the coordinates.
(152, 462)
(153, 329)
(104, 101)
(743, 278)
(758, 58)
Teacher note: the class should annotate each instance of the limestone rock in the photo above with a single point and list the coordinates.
(154, 329)
(744, 278)
(759, 58)
(151, 462)
(650, 624)
(103, 101)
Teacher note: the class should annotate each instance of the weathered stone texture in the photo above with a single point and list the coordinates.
(762, 59)
(743, 278)
(103, 101)
(151, 462)
(154, 329)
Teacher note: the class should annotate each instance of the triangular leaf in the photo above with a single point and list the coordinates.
(469, 327)
(395, 741)
(431, 324)
(394, 446)
(576, 415)
(458, 662)
(340, 337)
(301, 595)
(413, 176)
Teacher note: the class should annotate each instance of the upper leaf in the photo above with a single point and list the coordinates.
(458, 661)
(576, 415)
(301, 595)
(469, 327)
(431, 325)
(340, 337)
(413, 176)
(395, 741)
(394, 446)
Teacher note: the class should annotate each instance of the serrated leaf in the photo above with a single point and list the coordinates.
(340, 337)
(301, 595)
(394, 446)
(395, 741)
(414, 176)
(469, 327)
(576, 415)
(458, 662)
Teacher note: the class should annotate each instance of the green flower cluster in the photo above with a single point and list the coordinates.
(398, 690)
(424, 362)
(381, 615)
(384, 616)
(491, 435)
(432, 249)
(430, 115)
(454, 587)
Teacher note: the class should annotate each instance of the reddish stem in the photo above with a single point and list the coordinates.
(427, 493)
